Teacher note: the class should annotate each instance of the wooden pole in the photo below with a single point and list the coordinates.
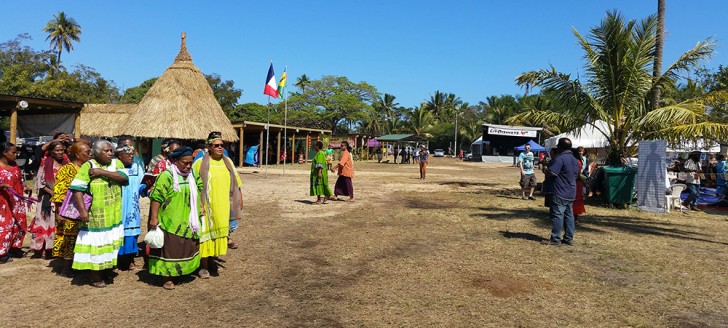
(308, 135)
(278, 148)
(77, 126)
(241, 147)
(293, 148)
(260, 149)
(13, 125)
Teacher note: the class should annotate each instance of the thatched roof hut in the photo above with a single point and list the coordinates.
(103, 120)
(180, 105)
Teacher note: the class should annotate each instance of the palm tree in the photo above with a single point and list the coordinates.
(659, 43)
(386, 104)
(302, 81)
(373, 122)
(62, 31)
(420, 119)
(619, 58)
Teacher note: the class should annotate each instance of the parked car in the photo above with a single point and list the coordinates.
(439, 153)
(468, 156)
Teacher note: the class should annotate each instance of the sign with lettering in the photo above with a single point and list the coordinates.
(512, 132)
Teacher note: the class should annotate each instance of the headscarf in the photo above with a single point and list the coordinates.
(194, 219)
(129, 150)
(48, 175)
(180, 152)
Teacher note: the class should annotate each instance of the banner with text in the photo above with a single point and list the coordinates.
(512, 132)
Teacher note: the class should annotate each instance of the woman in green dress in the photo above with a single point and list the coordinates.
(319, 175)
(101, 232)
(175, 209)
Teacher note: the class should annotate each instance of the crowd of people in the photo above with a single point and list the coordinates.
(88, 214)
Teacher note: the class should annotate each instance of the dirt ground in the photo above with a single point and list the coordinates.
(459, 249)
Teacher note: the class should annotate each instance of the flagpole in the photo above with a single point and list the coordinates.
(285, 123)
(267, 139)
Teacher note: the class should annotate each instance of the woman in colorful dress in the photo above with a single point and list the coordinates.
(43, 226)
(165, 163)
(12, 207)
(101, 233)
(319, 179)
(175, 209)
(130, 213)
(67, 230)
(345, 169)
(222, 200)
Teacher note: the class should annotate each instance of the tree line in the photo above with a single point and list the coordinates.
(619, 87)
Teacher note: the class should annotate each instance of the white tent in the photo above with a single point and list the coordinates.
(477, 147)
(588, 136)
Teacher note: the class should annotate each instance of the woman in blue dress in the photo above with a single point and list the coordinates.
(131, 215)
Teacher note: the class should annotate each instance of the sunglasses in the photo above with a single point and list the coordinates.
(218, 145)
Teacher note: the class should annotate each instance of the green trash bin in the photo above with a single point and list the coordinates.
(619, 183)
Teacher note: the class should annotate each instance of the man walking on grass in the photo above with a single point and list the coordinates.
(563, 170)
(528, 179)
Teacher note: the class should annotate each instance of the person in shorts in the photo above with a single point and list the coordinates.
(528, 178)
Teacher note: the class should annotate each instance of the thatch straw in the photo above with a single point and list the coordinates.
(103, 120)
(180, 105)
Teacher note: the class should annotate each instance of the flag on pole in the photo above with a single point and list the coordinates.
(270, 83)
(282, 85)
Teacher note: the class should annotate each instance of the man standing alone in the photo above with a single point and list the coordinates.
(528, 179)
(563, 170)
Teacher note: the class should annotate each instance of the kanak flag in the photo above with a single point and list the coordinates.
(271, 87)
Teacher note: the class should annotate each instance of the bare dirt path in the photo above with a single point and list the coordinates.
(459, 249)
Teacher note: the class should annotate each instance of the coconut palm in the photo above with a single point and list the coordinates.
(373, 122)
(619, 57)
(420, 119)
(62, 32)
(442, 105)
(302, 82)
(659, 44)
(386, 104)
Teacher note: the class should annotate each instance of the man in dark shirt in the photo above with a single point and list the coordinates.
(563, 172)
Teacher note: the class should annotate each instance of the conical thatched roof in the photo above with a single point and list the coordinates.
(180, 105)
(103, 120)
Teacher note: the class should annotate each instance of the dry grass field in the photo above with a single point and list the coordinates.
(459, 249)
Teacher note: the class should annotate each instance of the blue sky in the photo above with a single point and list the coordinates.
(474, 49)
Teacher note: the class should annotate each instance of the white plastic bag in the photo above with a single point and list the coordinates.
(154, 238)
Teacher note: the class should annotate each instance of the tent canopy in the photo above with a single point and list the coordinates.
(534, 146)
(401, 138)
(587, 136)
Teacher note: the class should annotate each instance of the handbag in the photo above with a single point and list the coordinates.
(68, 207)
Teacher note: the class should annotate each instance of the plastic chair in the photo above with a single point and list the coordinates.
(677, 189)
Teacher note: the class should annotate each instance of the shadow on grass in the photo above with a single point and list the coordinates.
(468, 184)
(428, 204)
(522, 235)
(599, 223)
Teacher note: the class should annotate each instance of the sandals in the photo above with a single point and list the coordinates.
(169, 285)
(203, 274)
(232, 246)
(98, 284)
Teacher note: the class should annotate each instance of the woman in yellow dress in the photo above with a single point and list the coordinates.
(222, 198)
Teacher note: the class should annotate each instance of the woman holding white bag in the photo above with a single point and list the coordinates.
(175, 210)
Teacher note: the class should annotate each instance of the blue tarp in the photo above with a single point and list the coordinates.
(534, 147)
(251, 156)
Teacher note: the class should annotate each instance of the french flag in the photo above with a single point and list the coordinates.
(271, 87)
